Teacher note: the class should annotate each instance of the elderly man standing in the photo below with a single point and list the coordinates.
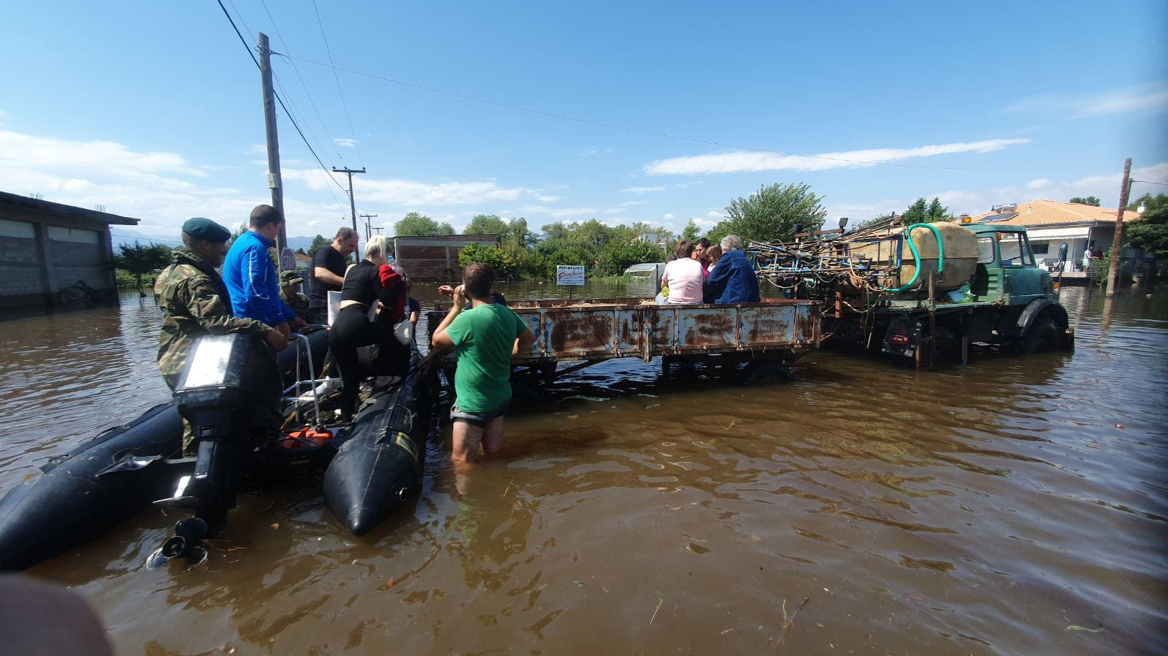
(734, 279)
(251, 276)
(194, 301)
(328, 272)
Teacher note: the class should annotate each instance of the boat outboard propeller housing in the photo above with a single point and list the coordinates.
(230, 393)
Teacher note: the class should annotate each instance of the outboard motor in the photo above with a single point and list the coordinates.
(230, 393)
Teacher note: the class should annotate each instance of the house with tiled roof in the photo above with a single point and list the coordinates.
(1051, 223)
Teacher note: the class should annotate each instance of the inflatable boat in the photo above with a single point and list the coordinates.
(226, 392)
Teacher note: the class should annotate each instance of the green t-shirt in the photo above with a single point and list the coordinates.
(484, 337)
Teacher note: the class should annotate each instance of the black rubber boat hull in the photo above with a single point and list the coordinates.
(82, 495)
(379, 467)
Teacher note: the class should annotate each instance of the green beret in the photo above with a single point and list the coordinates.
(290, 278)
(207, 230)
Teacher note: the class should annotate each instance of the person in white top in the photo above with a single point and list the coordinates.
(684, 276)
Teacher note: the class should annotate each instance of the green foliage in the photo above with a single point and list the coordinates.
(771, 214)
(420, 225)
(925, 212)
(300, 251)
(1151, 233)
(618, 255)
(691, 232)
(317, 242)
(139, 260)
(487, 224)
(1089, 200)
(1101, 270)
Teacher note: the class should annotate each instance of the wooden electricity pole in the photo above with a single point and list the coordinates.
(352, 203)
(368, 234)
(274, 181)
(1117, 245)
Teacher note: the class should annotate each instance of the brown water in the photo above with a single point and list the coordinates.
(1015, 506)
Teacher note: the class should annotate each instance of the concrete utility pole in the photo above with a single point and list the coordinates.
(368, 234)
(1117, 245)
(274, 181)
(352, 203)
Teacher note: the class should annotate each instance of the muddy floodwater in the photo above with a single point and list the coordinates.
(1014, 506)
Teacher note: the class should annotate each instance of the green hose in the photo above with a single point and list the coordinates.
(917, 256)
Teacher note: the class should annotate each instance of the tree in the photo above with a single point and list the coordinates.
(691, 231)
(139, 260)
(1150, 234)
(487, 224)
(317, 242)
(619, 255)
(771, 213)
(420, 225)
(300, 251)
(1089, 200)
(925, 212)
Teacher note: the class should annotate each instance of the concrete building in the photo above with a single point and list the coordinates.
(435, 259)
(1050, 223)
(46, 247)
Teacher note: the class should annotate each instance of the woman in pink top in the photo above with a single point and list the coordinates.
(684, 276)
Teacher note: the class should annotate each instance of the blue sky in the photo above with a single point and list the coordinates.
(153, 109)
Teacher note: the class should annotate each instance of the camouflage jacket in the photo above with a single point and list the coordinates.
(298, 302)
(191, 295)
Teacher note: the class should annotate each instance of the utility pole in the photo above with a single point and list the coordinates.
(368, 234)
(274, 181)
(1117, 245)
(352, 203)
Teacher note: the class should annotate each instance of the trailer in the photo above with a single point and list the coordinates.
(759, 339)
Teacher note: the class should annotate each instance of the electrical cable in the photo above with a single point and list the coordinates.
(303, 85)
(345, 105)
(281, 100)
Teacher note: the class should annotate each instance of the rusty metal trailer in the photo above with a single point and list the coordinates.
(762, 335)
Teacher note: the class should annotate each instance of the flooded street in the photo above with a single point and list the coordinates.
(1014, 506)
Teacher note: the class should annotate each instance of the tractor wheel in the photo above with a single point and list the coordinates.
(1042, 337)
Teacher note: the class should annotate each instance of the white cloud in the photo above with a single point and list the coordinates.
(549, 199)
(614, 210)
(1144, 98)
(668, 217)
(714, 214)
(411, 193)
(256, 149)
(558, 213)
(2, 115)
(747, 161)
(631, 203)
(643, 190)
(347, 143)
(593, 150)
(703, 223)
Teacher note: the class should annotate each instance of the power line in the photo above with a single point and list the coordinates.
(278, 98)
(345, 105)
(284, 45)
(625, 128)
(1162, 184)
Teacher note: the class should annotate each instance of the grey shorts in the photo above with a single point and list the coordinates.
(480, 419)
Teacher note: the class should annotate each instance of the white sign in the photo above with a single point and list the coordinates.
(569, 274)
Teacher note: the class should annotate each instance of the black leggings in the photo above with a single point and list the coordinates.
(352, 329)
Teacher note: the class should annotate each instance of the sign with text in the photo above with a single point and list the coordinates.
(569, 274)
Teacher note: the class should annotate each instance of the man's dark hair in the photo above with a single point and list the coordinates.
(703, 242)
(684, 249)
(477, 279)
(345, 234)
(265, 215)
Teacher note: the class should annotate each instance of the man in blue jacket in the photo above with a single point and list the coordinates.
(250, 274)
(733, 279)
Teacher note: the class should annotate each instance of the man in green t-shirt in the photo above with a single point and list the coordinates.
(486, 337)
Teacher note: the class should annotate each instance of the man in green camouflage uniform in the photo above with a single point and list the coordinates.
(290, 292)
(194, 300)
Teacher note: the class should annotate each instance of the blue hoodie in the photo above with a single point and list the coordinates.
(733, 280)
(253, 283)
